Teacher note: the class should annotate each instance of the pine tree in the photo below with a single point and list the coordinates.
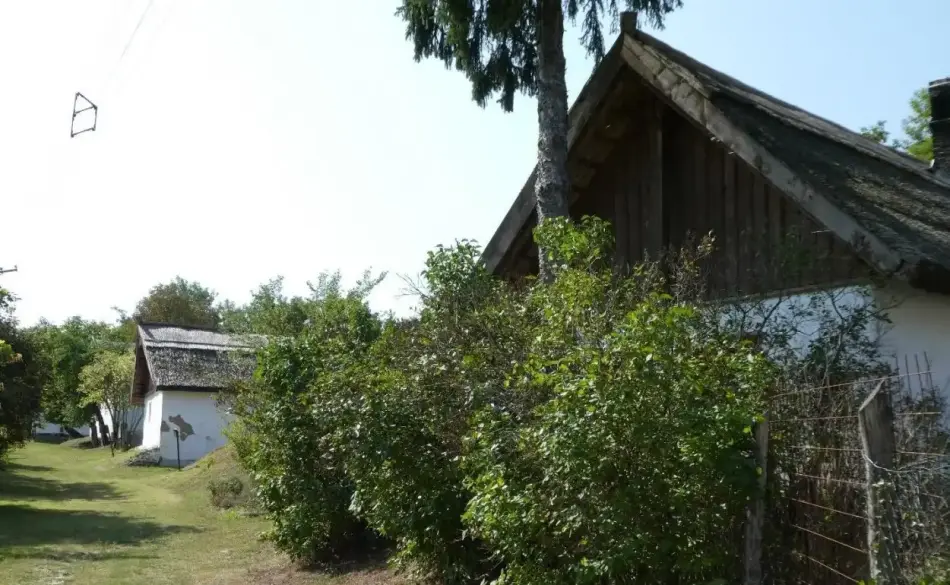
(507, 46)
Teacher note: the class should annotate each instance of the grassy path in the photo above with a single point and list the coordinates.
(74, 517)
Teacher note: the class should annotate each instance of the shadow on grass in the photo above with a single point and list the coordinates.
(72, 556)
(14, 467)
(26, 526)
(15, 486)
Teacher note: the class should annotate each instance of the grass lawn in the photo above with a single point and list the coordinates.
(73, 516)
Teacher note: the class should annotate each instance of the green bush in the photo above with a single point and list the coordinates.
(594, 428)
(225, 492)
(291, 419)
(21, 378)
(633, 464)
(430, 376)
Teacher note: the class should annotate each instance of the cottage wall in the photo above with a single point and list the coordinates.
(199, 420)
(151, 424)
(920, 324)
(916, 339)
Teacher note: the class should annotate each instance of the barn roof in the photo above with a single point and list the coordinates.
(190, 358)
(887, 204)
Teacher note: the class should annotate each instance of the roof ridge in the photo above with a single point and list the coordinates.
(177, 326)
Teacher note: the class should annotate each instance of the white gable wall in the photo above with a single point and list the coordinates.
(202, 425)
(920, 324)
(152, 422)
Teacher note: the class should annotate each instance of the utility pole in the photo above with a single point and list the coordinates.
(5, 270)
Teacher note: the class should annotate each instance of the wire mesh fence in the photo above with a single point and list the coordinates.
(818, 524)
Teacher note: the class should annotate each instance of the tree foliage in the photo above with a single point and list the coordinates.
(495, 43)
(65, 350)
(293, 413)
(272, 312)
(179, 302)
(916, 127)
(106, 382)
(21, 379)
(488, 437)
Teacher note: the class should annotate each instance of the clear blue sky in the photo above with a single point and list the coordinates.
(239, 140)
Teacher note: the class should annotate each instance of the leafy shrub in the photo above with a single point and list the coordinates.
(633, 464)
(592, 428)
(291, 417)
(430, 375)
(225, 491)
(21, 379)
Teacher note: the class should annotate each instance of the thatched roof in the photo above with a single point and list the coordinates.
(892, 195)
(189, 358)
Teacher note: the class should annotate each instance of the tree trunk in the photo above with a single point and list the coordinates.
(103, 429)
(552, 184)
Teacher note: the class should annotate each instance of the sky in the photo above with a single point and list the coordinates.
(239, 140)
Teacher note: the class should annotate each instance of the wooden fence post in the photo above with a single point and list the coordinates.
(876, 426)
(755, 514)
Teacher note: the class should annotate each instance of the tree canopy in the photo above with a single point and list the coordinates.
(495, 43)
(20, 379)
(105, 383)
(64, 350)
(180, 302)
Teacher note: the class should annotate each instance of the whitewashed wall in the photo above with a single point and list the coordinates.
(152, 422)
(920, 323)
(203, 425)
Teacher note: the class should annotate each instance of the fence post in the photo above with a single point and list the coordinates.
(755, 513)
(876, 426)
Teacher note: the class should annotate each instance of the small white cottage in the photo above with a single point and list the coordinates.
(178, 373)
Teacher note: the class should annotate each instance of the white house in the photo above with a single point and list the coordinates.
(44, 428)
(664, 147)
(178, 374)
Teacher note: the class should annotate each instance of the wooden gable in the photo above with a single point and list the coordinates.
(658, 179)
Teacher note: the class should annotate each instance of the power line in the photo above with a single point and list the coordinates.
(5, 270)
(108, 81)
(132, 36)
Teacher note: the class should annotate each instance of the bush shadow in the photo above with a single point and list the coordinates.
(14, 467)
(73, 556)
(27, 526)
(15, 486)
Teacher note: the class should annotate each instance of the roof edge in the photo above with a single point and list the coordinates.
(175, 325)
(823, 127)
(680, 88)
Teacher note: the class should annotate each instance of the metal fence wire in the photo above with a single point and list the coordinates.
(817, 523)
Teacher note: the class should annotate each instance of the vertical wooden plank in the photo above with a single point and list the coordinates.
(714, 219)
(743, 225)
(755, 513)
(760, 218)
(876, 425)
(676, 165)
(776, 235)
(699, 198)
(620, 190)
(653, 228)
(634, 189)
(729, 227)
